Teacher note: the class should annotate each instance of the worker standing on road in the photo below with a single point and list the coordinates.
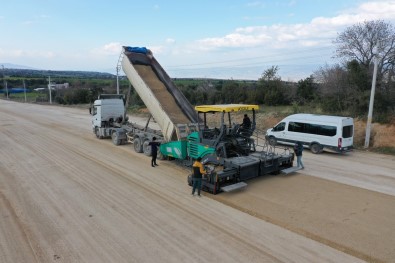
(154, 151)
(198, 172)
(298, 149)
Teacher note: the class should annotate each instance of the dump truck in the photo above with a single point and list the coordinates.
(229, 151)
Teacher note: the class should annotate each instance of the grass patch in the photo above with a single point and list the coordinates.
(384, 150)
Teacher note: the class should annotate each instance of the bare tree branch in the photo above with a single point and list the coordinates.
(365, 40)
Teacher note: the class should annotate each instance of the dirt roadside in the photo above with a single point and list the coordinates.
(68, 197)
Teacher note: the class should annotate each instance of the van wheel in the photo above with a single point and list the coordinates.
(315, 148)
(272, 141)
(147, 148)
(138, 145)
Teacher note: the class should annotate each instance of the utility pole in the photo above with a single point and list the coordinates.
(370, 114)
(5, 82)
(117, 79)
(24, 89)
(49, 88)
(118, 68)
(6, 89)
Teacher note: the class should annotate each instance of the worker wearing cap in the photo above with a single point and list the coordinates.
(198, 172)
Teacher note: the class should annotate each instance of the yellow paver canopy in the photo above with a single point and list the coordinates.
(226, 108)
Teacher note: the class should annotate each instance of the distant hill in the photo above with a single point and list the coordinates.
(31, 73)
(14, 66)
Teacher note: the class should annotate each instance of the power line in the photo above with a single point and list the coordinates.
(289, 57)
(254, 64)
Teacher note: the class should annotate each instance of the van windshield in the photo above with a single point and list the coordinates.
(279, 127)
(347, 131)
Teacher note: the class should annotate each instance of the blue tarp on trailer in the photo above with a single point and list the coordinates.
(142, 50)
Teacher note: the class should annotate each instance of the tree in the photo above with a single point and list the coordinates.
(358, 76)
(270, 87)
(357, 47)
(232, 93)
(332, 87)
(306, 90)
(270, 74)
(361, 42)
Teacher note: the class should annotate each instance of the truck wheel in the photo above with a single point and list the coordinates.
(137, 144)
(115, 139)
(98, 133)
(272, 141)
(315, 148)
(147, 148)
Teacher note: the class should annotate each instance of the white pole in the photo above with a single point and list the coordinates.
(118, 69)
(117, 80)
(6, 89)
(4, 81)
(24, 89)
(370, 114)
(49, 88)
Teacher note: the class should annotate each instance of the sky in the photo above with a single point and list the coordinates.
(231, 39)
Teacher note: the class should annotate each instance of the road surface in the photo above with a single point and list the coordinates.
(66, 196)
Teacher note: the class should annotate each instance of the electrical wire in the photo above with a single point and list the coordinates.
(247, 62)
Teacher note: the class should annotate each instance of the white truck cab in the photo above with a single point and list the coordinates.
(106, 111)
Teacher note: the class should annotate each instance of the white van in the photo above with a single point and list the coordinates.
(317, 132)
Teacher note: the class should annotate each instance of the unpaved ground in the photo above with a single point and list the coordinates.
(66, 196)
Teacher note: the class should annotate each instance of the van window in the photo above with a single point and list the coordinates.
(324, 130)
(279, 127)
(347, 131)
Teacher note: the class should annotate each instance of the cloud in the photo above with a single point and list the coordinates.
(317, 31)
(28, 22)
(157, 49)
(291, 3)
(255, 17)
(35, 19)
(170, 41)
(109, 49)
(255, 4)
(19, 53)
(293, 47)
